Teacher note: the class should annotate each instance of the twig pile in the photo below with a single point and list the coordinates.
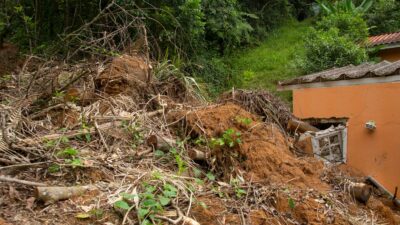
(261, 103)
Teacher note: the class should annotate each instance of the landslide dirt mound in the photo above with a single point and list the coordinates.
(263, 151)
(125, 74)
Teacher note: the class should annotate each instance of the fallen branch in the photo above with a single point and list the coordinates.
(52, 194)
(18, 181)
(300, 126)
(69, 134)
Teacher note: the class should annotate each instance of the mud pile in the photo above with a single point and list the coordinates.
(125, 74)
(263, 153)
(290, 189)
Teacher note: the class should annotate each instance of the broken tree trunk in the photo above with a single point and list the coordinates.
(197, 154)
(359, 191)
(300, 126)
(53, 194)
(160, 143)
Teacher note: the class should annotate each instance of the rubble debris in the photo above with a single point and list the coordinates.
(328, 144)
(304, 144)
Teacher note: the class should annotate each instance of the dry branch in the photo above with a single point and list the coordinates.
(69, 134)
(15, 180)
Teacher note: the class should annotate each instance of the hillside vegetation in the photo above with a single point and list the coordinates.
(275, 59)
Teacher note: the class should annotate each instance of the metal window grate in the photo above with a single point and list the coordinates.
(330, 144)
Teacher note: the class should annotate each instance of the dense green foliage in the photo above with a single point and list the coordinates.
(384, 17)
(327, 49)
(226, 25)
(275, 59)
(223, 43)
(344, 6)
(349, 25)
(336, 40)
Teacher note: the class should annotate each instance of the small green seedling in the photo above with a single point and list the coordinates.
(239, 192)
(243, 120)
(179, 161)
(70, 156)
(54, 168)
(210, 176)
(229, 138)
(291, 202)
(68, 152)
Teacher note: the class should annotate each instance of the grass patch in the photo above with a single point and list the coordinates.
(273, 60)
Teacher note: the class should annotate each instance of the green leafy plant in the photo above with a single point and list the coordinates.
(85, 131)
(229, 138)
(70, 156)
(353, 27)
(68, 152)
(179, 161)
(210, 176)
(347, 6)
(50, 143)
(152, 201)
(239, 192)
(291, 203)
(383, 17)
(243, 120)
(134, 130)
(327, 49)
(97, 213)
(200, 141)
(53, 168)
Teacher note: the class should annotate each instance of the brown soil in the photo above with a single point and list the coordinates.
(125, 74)
(263, 152)
(9, 60)
(216, 212)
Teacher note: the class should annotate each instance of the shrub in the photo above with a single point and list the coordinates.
(327, 49)
(226, 25)
(214, 72)
(349, 25)
(384, 17)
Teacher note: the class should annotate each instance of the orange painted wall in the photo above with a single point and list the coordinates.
(390, 54)
(374, 153)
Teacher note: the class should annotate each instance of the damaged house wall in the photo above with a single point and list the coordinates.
(375, 153)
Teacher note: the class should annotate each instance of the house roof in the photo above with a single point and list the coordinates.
(351, 72)
(384, 39)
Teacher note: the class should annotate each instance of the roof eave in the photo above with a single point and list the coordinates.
(327, 84)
